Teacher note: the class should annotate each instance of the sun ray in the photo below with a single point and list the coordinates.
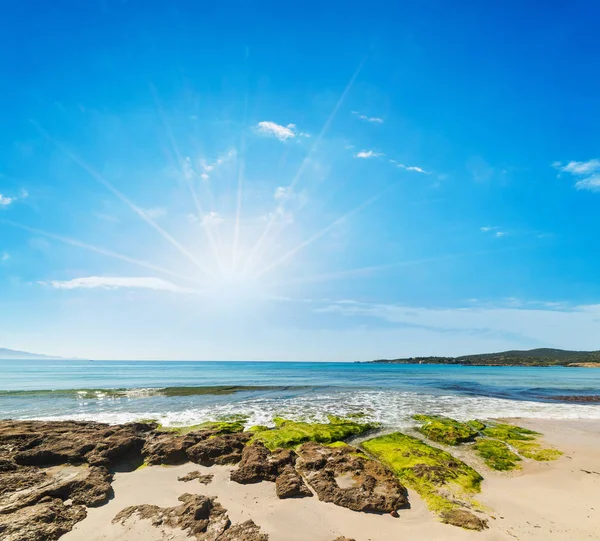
(291, 253)
(101, 180)
(99, 250)
(240, 188)
(187, 170)
(281, 205)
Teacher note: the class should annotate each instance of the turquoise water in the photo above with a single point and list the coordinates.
(172, 392)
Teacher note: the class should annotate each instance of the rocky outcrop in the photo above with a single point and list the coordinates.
(77, 460)
(259, 464)
(199, 516)
(47, 520)
(222, 449)
(196, 475)
(348, 478)
(289, 484)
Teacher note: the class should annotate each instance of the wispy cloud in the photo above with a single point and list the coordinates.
(365, 154)
(272, 129)
(586, 173)
(5, 256)
(412, 168)
(207, 167)
(493, 229)
(5, 201)
(116, 282)
(371, 119)
(538, 324)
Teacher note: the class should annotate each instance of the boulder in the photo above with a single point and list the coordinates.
(223, 449)
(348, 478)
(289, 484)
(204, 479)
(259, 464)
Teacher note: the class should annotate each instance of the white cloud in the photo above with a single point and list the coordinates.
(5, 201)
(412, 168)
(579, 168)
(155, 212)
(500, 233)
(266, 127)
(487, 228)
(5, 256)
(365, 154)
(212, 219)
(572, 328)
(587, 173)
(116, 282)
(492, 229)
(372, 119)
(591, 183)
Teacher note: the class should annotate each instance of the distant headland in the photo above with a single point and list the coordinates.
(532, 357)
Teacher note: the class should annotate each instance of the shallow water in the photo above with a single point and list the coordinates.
(176, 392)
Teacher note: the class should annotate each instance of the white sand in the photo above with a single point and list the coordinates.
(556, 501)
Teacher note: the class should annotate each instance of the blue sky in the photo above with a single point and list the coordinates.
(257, 180)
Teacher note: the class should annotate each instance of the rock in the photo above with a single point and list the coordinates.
(246, 531)
(168, 448)
(45, 521)
(342, 538)
(259, 464)
(204, 479)
(289, 484)
(224, 449)
(464, 519)
(445, 430)
(76, 457)
(200, 516)
(348, 478)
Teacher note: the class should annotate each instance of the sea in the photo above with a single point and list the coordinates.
(186, 393)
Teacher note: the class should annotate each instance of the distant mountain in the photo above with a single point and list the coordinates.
(532, 357)
(17, 355)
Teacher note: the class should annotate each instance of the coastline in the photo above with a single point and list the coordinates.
(541, 500)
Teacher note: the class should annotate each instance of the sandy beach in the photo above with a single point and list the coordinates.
(544, 500)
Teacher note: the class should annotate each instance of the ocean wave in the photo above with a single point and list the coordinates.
(391, 408)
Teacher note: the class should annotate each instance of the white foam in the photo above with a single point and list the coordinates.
(392, 408)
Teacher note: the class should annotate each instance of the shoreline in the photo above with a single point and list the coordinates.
(540, 500)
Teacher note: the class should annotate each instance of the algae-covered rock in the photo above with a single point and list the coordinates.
(288, 433)
(350, 479)
(497, 455)
(444, 482)
(522, 440)
(445, 430)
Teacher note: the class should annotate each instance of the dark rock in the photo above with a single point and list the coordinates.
(289, 484)
(342, 538)
(348, 478)
(464, 519)
(224, 449)
(204, 479)
(259, 464)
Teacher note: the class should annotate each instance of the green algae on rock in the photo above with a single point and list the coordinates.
(445, 430)
(289, 433)
(220, 427)
(444, 482)
(522, 440)
(497, 455)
